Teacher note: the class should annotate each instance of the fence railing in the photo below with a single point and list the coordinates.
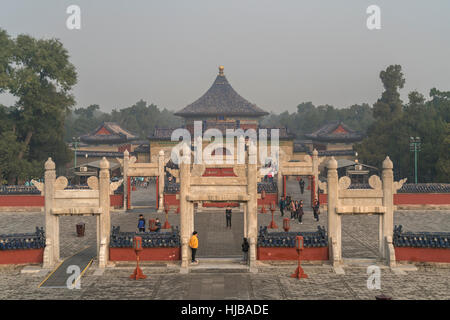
(287, 239)
(18, 190)
(149, 239)
(16, 241)
(420, 239)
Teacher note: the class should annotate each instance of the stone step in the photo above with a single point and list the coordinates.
(219, 265)
(220, 260)
(218, 270)
(360, 261)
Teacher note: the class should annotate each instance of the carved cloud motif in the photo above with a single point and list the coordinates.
(93, 183)
(344, 183)
(399, 184)
(61, 183)
(114, 185)
(38, 185)
(198, 170)
(375, 182)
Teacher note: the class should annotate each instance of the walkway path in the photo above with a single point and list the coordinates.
(59, 277)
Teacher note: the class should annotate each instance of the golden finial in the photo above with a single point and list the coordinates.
(221, 70)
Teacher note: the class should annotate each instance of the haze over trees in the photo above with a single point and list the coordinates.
(40, 124)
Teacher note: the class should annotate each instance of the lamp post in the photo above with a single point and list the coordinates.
(414, 146)
(76, 141)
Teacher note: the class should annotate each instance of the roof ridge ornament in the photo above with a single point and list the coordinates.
(221, 70)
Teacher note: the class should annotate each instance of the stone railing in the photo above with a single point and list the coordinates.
(425, 188)
(23, 240)
(421, 239)
(18, 190)
(287, 239)
(268, 187)
(171, 188)
(149, 239)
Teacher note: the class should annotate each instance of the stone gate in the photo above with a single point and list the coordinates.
(379, 200)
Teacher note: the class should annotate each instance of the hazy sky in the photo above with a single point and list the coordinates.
(276, 53)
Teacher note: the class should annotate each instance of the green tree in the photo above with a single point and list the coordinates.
(443, 163)
(390, 105)
(38, 73)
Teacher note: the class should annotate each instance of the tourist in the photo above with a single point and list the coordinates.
(245, 247)
(228, 216)
(141, 223)
(316, 211)
(193, 244)
(282, 205)
(300, 212)
(302, 185)
(292, 208)
(157, 225)
(297, 205)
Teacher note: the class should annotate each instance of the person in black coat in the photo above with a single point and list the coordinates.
(245, 247)
(228, 217)
(302, 185)
(316, 208)
(300, 212)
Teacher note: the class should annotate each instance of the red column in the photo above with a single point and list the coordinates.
(284, 187)
(129, 193)
(157, 193)
(313, 190)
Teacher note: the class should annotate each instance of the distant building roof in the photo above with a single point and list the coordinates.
(166, 133)
(329, 153)
(335, 131)
(96, 164)
(221, 99)
(342, 163)
(108, 133)
(143, 148)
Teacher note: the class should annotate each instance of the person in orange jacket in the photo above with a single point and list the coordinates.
(193, 244)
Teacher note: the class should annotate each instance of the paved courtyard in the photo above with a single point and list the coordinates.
(360, 240)
(269, 283)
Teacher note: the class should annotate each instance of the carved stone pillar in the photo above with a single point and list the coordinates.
(161, 181)
(51, 251)
(105, 216)
(252, 190)
(334, 220)
(387, 226)
(185, 210)
(126, 162)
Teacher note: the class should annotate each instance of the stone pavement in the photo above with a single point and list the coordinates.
(270, 283)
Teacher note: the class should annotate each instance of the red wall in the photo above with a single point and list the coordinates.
(422, 254)
(171, 200)
(274, 253)
(148, 254)
(422, 198)
(22, 201)
(116, 200)
(21, 256)
(411, 198)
